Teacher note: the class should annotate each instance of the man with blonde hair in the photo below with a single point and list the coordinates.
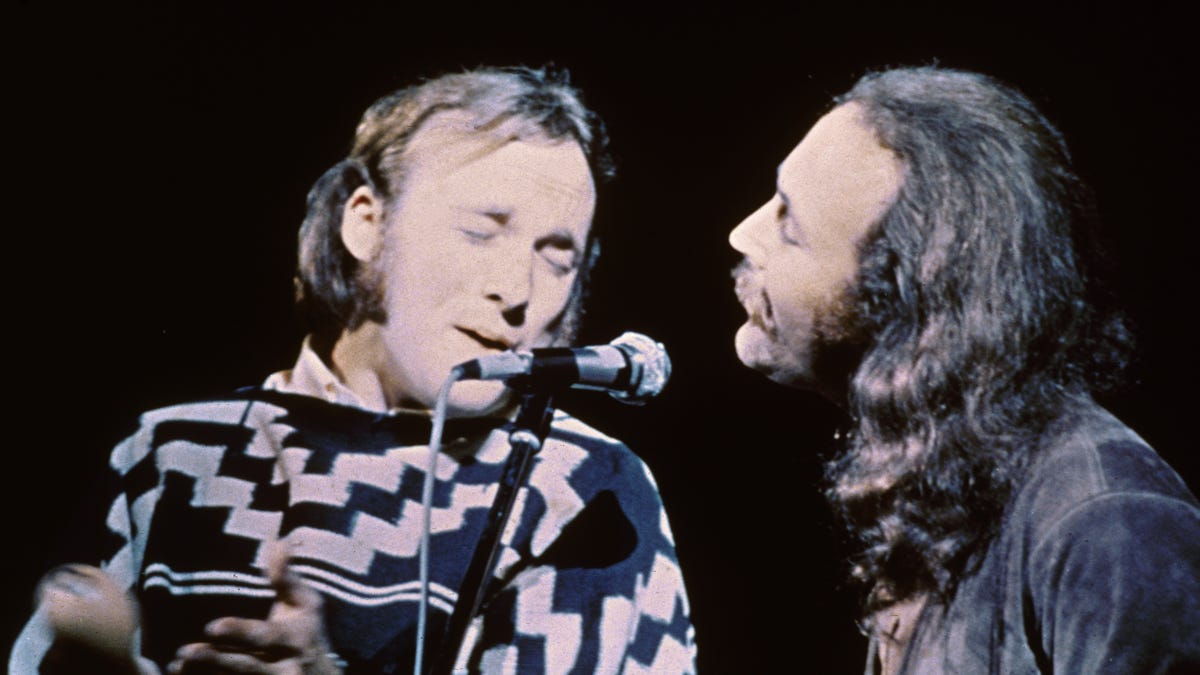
(278, 529)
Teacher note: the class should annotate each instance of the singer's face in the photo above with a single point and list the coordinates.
(481, 251)
(801, 252)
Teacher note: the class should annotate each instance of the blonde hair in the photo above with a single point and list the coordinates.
(497, 105)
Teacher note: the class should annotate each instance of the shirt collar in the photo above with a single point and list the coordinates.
(310, 376)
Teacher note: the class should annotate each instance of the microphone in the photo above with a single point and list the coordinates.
(632, 368)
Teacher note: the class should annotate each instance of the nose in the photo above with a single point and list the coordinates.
(508, 282)
(747, 237)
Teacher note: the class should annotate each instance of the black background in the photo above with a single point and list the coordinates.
(159, 155)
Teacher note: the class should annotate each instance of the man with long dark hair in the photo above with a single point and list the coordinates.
(281, 528)
(925, 263)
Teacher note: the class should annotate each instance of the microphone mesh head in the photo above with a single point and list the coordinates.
(650, 365)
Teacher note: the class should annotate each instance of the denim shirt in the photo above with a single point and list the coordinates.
(1096, 568)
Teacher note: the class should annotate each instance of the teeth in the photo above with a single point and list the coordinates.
(752, 297)
(742, 284)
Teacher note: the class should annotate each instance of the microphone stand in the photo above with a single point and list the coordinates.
(526, 438)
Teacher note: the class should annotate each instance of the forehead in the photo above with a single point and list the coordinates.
(518, 171)
(449, 160)
(449, 140)
(840, 173)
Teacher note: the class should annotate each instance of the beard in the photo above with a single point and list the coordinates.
(822, 354)
(840, 339)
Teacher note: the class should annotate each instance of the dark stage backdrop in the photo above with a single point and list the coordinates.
(158, 159)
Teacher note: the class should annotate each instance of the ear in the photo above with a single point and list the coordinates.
(362, 224)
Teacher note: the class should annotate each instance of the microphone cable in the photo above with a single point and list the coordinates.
(435, 441)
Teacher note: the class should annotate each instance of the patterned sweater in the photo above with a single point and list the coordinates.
(587, 578)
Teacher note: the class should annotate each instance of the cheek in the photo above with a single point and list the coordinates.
(550, 297)
(419, 279)
(790, 289)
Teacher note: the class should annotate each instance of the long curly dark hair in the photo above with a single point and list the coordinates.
(984, 317)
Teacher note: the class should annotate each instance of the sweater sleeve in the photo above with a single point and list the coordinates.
(101, 536)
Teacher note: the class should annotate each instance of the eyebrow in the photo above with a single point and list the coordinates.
(561, 238)
(501, 217)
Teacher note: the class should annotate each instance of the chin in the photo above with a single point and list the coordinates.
(477, 398)
(753, 348)
(757, 351)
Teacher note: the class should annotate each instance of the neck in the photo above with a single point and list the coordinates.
(356, 359)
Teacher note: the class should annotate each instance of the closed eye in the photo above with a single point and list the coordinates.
(789, 229)
(476, 234)
(560, 252)
(483, 226)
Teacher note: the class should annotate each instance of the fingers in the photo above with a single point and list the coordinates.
(206, 657)
(209, 658)
(277, 555)
(272, 637)
(240, 646)
(86, 607)
(291, 633)
(290, 640)
(290, 589)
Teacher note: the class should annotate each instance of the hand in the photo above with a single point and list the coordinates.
(92, 618)
(290, 641)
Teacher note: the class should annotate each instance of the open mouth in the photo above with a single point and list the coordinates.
(758, 310)
(752, 296)
(488, 342)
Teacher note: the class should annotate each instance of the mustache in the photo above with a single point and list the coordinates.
(741, 269)
(749, 291)
(743, 276)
